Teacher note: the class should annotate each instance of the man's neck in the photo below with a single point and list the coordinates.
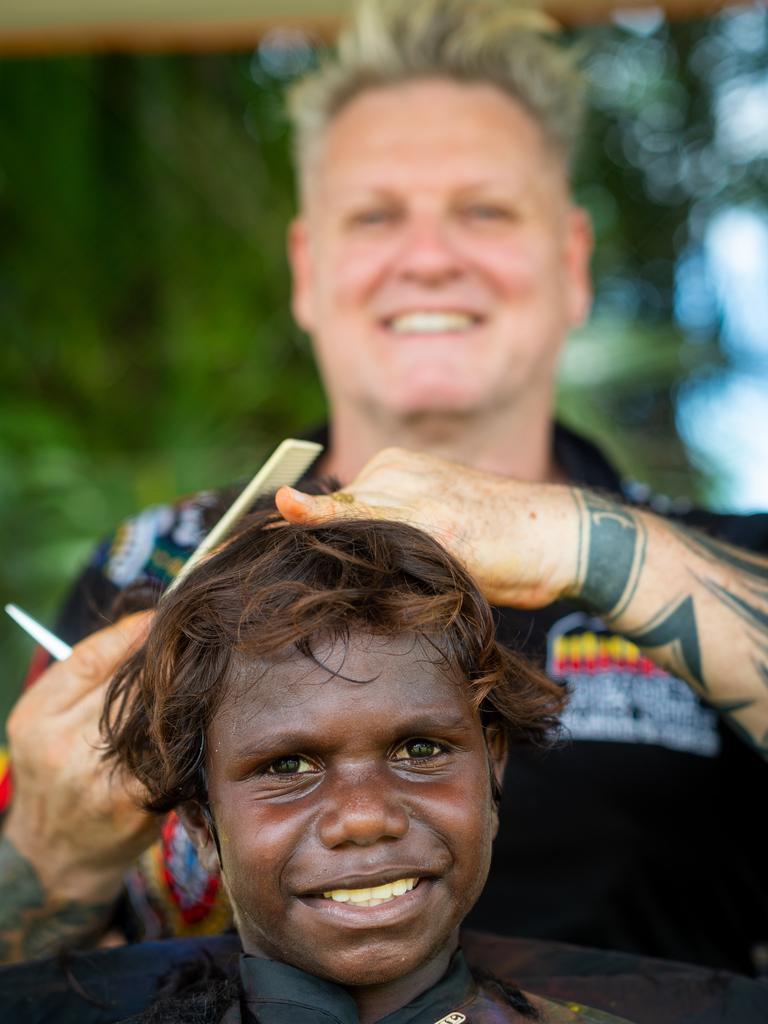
(509, 442)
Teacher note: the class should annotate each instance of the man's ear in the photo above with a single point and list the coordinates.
(498, 751)
(300, 259)
(198, 827)
(579, 246)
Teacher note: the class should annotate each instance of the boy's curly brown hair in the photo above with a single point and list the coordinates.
(277, 589)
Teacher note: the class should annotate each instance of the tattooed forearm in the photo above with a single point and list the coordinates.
(675, 625)
(697, 607)
(33, 925)
(753, 614)
(760, 661)
(719, 553)
(611, 553)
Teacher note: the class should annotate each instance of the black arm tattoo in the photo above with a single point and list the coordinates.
(727, 709)
(33, 925)
(611, 560)
(611, 554)
(718, 552)
(761, 663)
(750, 613)
(675, 624)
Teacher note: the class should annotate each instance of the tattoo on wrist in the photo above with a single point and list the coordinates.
(675, 624)
(34, 925)
(611, 553)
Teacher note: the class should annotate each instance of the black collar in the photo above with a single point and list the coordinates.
(582, 461)
(279, 994)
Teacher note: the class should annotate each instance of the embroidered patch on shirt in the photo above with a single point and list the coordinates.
(618, 694)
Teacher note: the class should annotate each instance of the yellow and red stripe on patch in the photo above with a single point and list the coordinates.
(594, 653)
(5, 780)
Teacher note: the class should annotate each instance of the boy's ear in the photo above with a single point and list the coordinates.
(498, 750)
(198, 827)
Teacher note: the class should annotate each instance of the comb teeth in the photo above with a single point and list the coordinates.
(285, 466)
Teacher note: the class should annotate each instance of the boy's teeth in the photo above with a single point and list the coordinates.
(374, 896)
(430, 322)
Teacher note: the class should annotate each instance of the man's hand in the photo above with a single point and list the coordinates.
(519, 541)
(696, 607)
(74, 825)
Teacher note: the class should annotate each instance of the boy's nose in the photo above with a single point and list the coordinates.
(363, 812)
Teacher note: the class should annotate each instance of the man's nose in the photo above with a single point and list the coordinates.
(362, 810)
(428, 254)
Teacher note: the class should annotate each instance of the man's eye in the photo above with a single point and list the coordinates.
(417, 749)
(486, 211)
(372, 217)
(291, 765)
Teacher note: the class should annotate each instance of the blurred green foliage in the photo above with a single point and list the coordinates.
(148, 348)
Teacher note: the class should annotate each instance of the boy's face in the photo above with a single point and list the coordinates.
(323, 788)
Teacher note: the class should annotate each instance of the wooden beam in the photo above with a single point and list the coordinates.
(155, 37)
(38, 27)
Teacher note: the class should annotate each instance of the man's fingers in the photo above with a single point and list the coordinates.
(92, 662)
(297, 507)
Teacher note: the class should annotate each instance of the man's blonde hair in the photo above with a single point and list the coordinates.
(494, 42)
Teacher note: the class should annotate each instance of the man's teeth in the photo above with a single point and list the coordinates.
(374, 896)
(431, 322)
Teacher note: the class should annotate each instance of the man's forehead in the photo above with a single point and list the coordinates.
(394, 129)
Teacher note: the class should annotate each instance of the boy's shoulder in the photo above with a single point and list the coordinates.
(491, 1006)
(560, 978)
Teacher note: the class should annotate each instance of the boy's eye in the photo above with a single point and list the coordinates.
(293, 764)
(418, 748)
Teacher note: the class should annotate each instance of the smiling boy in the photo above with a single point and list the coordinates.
(329, 712)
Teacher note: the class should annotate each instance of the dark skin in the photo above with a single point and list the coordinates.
(321, 784)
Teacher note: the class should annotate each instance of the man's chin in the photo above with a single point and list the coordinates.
(433, 403)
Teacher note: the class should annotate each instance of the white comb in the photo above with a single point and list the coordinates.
(285, 466)
(43, 636)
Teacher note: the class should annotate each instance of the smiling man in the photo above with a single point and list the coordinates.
(439, 261)
(329, 711)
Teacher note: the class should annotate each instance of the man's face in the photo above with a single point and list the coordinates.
(323, 789)
(438, 263)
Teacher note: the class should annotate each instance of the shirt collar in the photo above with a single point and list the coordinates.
(581, 461)
(280, 994)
